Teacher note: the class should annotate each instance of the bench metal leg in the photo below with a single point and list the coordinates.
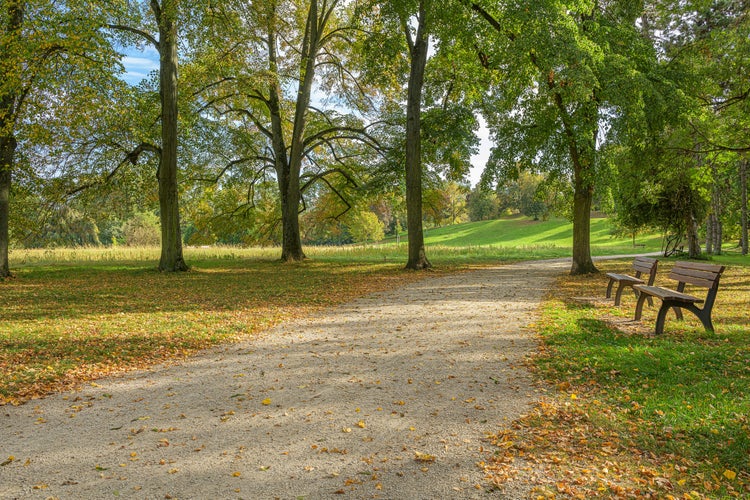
(648, 297)
(639, 306)
(618, 294)
(660, 317)
(678, 313)
(703, 314)
(609, 288)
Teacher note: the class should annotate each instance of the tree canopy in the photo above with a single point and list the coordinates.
(326, 121)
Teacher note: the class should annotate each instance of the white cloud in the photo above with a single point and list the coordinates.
(138, 64)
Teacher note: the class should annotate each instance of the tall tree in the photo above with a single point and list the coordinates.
(417, 38)
(303, 46)
(165, 18)
(11, 100)
(568, 69)
(47, 52)
(438, 126)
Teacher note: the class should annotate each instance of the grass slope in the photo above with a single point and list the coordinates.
(550, 235)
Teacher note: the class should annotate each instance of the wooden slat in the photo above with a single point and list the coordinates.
(698, 274)
(624, 278)
(715, 268)
(666, 293)
(644, 264)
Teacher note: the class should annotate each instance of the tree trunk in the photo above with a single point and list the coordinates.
(714, 230)
(171, 235)
(418, 49)
(7, 153)
(291, 246)
(743, 208)
(9, 104)
(582, 199)
(718, 236)
(694, 246)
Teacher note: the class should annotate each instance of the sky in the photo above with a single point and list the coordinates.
(139, 63)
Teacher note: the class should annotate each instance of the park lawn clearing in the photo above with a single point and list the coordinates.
(632, 415)
(69, 323)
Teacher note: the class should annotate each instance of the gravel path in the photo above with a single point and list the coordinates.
(389, 396)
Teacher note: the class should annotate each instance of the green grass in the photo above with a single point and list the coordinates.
(681, 398)
(552, 238)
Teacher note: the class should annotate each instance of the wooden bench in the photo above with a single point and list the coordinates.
(641, 265)
(693, 273)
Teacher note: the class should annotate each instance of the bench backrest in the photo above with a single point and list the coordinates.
(646, 265)
(697, 273)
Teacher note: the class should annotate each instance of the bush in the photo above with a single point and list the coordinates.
(142, 230)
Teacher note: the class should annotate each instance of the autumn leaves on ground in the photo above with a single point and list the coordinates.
(630, 415)
(626, 414)
(71, 323)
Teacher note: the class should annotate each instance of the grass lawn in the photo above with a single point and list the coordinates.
(541, 238)
(631, 415)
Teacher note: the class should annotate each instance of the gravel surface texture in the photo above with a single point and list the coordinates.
(389, 396)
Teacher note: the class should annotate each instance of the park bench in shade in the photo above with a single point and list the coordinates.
(641, 266)
(693, 273)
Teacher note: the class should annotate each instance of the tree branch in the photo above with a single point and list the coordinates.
(147, 36)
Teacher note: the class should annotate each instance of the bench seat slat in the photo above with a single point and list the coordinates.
(624, 278)
(666, 293)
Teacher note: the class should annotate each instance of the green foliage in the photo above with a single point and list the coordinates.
(364, 226)
(482, 204)
(142, 230)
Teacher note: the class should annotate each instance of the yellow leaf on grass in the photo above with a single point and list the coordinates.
(266, 402)
(361, 424)
(730, 474)
(236, 474)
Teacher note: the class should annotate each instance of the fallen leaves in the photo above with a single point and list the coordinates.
(91, 321)
(423, 457)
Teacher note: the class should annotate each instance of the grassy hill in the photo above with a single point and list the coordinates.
(525, 233)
